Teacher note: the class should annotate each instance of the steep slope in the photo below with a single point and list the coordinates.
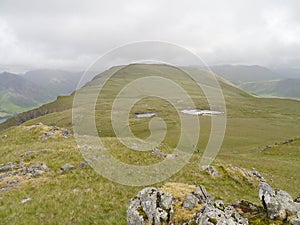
(18, 94)
(57, 81)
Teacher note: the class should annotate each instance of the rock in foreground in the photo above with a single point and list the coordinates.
(192, 206)
(279, 204)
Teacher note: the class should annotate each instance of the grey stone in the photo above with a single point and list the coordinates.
(203, 196)
(67, 167)
(156, 152)
(28, 154)
(219, 204)
(211, 171)
(211, 215)
(5, 168)
(83, 164)
(150, 206)
(277, 203)
(165, 201)
(190, 201)
(12, 181)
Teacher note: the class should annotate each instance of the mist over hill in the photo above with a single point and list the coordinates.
(57, 81)
(262, 81)
(19, 93)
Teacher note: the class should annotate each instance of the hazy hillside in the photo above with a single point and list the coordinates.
(289, 88)
(262, 81)
(18, 94)
(57, 81)
(238, 74)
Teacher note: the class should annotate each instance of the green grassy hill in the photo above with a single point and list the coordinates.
(261, 133)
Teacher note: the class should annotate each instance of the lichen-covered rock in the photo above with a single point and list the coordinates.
(67, 167)
(211, 215)
(190, 202)
(150, 206)
(211, 171)
(203, 196)
(277, 203)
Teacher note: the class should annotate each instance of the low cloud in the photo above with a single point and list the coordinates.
(72, 34)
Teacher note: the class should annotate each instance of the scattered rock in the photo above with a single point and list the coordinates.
(67, 167)
(17, 169)
(277, 203)
(156, 152)
(56, 132)
(25, 200)
(250, 176)
(83, 164)
(211, 171)
(28, 154)
(203, 196)
(12, 181)
(5, 168)
(288, 141)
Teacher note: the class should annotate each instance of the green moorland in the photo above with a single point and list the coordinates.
(81, 196)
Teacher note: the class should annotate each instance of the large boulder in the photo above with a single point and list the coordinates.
(150, 206)
(277, 203)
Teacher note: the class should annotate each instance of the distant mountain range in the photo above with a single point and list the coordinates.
(57, 81)
(19, 93)
(262, 81)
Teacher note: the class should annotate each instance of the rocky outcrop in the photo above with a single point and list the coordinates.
(155, 206)
(211, 170)
(191, 205)
(279, 204)
(12, 174)
(150, 206)
(217, 213)
(50, 132)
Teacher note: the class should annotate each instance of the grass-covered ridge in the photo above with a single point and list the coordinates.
(81, 196)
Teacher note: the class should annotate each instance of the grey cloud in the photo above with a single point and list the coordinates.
(72, 34)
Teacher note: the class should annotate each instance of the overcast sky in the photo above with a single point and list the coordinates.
(72, 34)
